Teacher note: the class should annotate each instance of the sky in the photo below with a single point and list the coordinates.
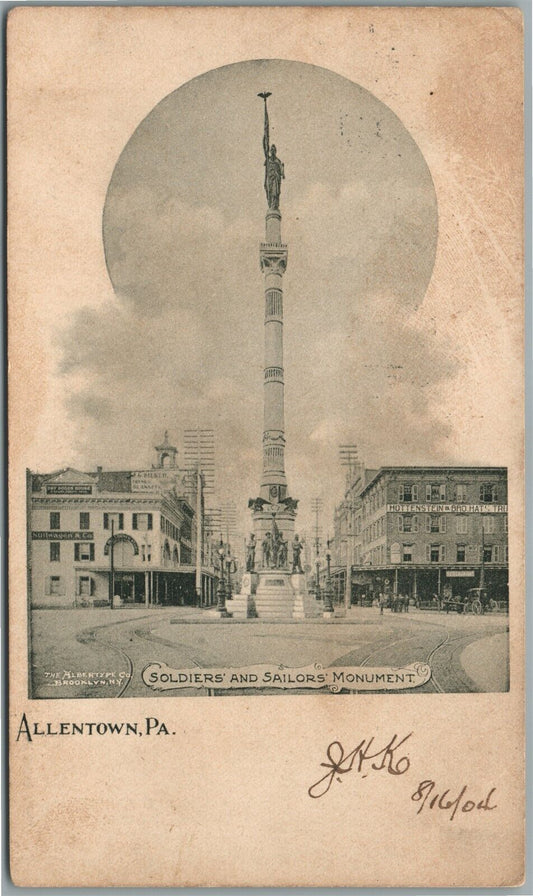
(182, 344)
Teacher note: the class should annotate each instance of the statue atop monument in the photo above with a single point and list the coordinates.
(274, 168)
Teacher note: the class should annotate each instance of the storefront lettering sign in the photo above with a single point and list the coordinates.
(69, 489)
(56, 535)
(446, 508)
(116, 539)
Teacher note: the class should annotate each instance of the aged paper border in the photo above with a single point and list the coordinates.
(481, 707)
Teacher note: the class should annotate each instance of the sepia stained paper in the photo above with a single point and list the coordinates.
(368, 732)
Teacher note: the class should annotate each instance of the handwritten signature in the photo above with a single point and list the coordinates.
(443, 801)
(340, 763)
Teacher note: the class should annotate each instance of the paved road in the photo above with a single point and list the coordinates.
(101, 653)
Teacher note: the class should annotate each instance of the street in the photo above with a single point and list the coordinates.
(101, 653)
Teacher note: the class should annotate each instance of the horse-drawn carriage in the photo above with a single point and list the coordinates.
(476, 601)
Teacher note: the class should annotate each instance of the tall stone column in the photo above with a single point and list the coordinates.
(273, 503)
(273, 256)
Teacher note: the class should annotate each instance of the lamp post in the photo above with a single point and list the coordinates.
(229, 563)
(328, 606)
(112, 566)
(221, 591)
(317, 562)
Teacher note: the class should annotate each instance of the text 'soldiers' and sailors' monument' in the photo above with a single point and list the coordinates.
(274, 584)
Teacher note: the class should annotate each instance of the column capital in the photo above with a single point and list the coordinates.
(273, 258)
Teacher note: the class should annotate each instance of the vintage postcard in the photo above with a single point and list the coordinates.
(265, 271)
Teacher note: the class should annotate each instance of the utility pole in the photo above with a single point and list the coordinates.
(316, 507)
(349, 457)
(199, 457)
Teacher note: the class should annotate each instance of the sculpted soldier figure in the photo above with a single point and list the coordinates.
(282, 552)
(274, 172)
(250, 554)
(267, 549)
(274, 169)
(297, 548)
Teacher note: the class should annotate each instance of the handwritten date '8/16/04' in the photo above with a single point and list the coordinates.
(340, 763)
(452, 804)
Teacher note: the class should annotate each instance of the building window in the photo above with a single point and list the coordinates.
(435, 492)
(86, 586)
(505, 523)
(460, 493)
(55, 585)
(435, 523)
(461, 553)
(491, 553)
(488, 493)
(85, 520)
(55, 520)
(146, 552)
(505, 553)
(408, 492)
(407, 553)
(116, 518)
(435, 553)
(407, 523)
(461, 525)
(142, 521)
(84, 550)
(55, 551)
(488, 524)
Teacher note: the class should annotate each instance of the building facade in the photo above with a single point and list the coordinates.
(129, 536)
(431, 532)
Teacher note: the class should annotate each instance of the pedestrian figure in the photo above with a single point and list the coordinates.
(297, 548)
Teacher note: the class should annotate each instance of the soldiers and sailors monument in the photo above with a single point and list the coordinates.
(274, 583)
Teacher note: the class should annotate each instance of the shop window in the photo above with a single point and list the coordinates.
(142, 521)
(84, 550)
(116, 518)
(55, 520)
(461, 525)
(55, 551)
(461, 553)
(408, 492)
(85, 520)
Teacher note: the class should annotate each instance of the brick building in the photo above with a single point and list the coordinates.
(131, 534)
(427, 531)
